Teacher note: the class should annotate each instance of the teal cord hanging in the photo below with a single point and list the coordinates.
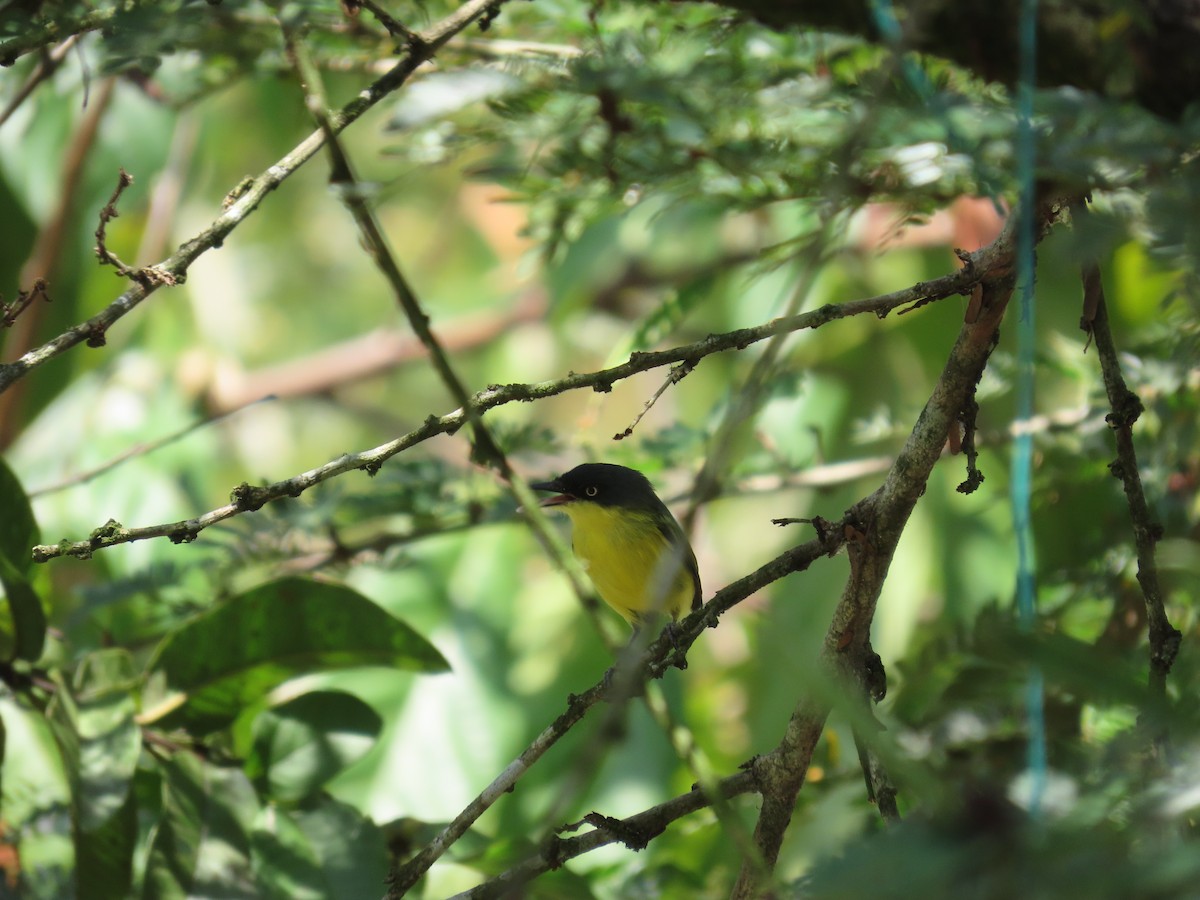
(1021, 484)
(1021, 487)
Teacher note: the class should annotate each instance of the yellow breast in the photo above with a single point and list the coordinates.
(636, 570)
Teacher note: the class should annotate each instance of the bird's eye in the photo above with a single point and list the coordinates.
(591, 491)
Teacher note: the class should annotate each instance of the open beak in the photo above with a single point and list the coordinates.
(557, 486)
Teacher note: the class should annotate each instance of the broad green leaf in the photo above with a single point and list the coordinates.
(22, 619)
(325, 850)
(230, 657)
(302, 744)
(110, 740)
(104, 855)
(18, 529)
(100, 744)
(202, 844)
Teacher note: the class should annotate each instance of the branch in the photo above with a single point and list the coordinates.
(248, 196)
(653, 664)
(1126, 408)
(107, 214)
(10, 312)
(634, 832)
(140, 449)
(676, 375)
(246, 498)
(872, 530)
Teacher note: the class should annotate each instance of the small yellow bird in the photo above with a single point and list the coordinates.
(635, 552)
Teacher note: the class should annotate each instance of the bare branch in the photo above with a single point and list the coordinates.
(248, 498)
(633, 831)
(140, 449)
(676, 375)
(107, 214)
(1126, 408)
(656, 660)
(25, 299)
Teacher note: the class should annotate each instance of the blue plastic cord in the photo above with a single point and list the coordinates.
(1022, 464)
(1021, 486)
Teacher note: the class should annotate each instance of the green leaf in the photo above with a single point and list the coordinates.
(302, 744)
(100, 744)
(22, 619)
(18, 529)
(285, 863)
(201, 846)
(326, 850)
(230, 657)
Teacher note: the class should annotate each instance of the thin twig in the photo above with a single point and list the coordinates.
(25, 299)
(750, 395)
(142, 449)
(395, 28)
(107, 214)
(633, 831)
(676, 375)
(1126, 408)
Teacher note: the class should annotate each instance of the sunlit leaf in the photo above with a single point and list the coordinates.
(92, 721)
(201, 847)
(324, 850)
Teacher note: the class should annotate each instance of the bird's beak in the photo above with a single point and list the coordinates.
(557, 486)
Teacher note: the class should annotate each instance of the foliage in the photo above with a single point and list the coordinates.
(298, 699)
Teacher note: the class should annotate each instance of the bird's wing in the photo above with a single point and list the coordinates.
(674, 534)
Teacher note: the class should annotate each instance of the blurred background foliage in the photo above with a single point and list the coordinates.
(574, 183)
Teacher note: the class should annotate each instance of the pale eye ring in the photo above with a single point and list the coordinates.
(591, 491)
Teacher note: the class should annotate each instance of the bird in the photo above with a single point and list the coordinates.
(636, 553)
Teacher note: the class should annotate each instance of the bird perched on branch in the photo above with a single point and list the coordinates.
(635, 552)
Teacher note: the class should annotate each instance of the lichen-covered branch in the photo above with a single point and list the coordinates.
(246, 498)
(635, 832)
